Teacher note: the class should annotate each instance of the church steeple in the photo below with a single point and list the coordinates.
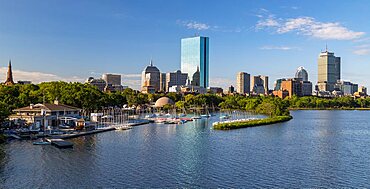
(9, 77)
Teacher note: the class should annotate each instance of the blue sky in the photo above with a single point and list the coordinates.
(71, 40)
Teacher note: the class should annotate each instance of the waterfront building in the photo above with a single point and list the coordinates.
(243, 83)
(99, 83)
(162, 85)
(44, 115)
(195, 59)
(277, 84)
(328, 71)
(292, 86)
(176, 79)
(306, 88)
(112, 79)
(9, 76)
(259, 85)
(301, 73)
(346, 87)
(150, 79)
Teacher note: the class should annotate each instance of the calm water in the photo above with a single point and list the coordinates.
(316, 148)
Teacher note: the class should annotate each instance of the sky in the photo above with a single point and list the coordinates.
(71, 40)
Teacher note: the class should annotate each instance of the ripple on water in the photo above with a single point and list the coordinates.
(315, 149)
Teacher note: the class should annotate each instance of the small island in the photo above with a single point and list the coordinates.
(238, 124)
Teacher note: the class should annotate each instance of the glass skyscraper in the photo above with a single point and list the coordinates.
(195, 59)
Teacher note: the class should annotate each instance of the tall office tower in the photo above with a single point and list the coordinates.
(9, 76)
(195, 60)
(243, 83)
(302, 74)
(328, 71)
(175, 79)
(162, 86)
(259, 84)
(112, 79)
(150, 79)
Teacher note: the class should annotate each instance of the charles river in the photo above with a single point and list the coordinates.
(316, 148)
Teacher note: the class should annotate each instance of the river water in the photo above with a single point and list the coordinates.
(315, 149)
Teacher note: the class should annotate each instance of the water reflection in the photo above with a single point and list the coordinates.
(315, 149)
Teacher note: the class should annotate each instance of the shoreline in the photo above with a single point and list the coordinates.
(363, 109)
(252, 123)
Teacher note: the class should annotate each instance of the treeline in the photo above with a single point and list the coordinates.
(89, 98)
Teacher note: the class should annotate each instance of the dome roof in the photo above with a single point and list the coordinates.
(163, 101)
(302, 73)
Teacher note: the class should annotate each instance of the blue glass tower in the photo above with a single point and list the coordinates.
(195, 60)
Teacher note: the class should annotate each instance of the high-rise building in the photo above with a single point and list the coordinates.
(243, 83)
(162, 85)
(328, 71)
(195, 59)
(150, 79)
(260, 84)
(9, 76)
(112, 79)
(302, 74)
(175, 79)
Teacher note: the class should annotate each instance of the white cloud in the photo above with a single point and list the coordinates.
(221, 82)
(362, 51)
(194, 25)
(37, 77)
(310, 27)
(271, 47)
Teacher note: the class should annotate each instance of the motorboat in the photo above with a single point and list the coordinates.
(196, 117)
(225, 117)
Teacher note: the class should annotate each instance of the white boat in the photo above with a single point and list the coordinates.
(205, 115)
(122, 127)
(196, 117)
(225, 117)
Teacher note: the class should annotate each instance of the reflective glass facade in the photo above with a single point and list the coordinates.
(194, 56)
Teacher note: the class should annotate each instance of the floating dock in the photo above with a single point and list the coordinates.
(60, 143)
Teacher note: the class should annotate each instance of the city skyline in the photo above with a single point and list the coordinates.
(261, 38)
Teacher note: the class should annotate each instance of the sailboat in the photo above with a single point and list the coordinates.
(207, 115)
(121, 124)
(196, 116)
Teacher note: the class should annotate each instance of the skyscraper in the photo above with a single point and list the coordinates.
(243, 83)
(328, 71)
(150, 79)
(260, 84)
(9, 76)
(195, 59)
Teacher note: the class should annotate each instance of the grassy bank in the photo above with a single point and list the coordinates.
(252, 123)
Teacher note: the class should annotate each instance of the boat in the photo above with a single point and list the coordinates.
(205, 115)
(225, 117)
(122, 127)
(150, 116)
(43, 142)
(196, 117)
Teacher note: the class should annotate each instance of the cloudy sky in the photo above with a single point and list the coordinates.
(72, 40)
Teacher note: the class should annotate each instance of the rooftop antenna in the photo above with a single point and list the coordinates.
(326, 47)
